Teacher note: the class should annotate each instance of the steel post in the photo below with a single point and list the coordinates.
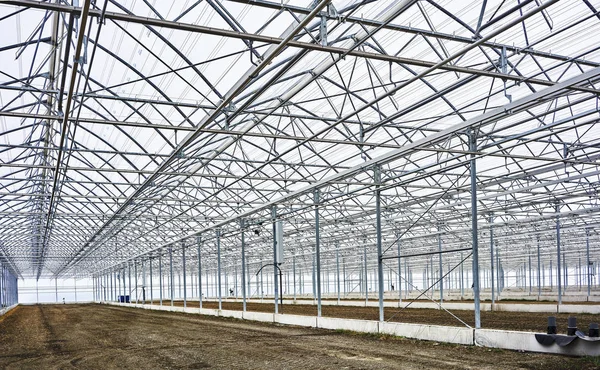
(399, 271)
(242, 227)
(317, 251)
(337, 262)
(136, 281)
(558, 277)
(475, 257)
(377, 178)
(184, 275)
(275, 275)
(587, 264)
(440, 265)
(160, 277)
(219, 294)
(151, 282)
(492, 259)
(365, 273)
(171, 279)
(199, 242)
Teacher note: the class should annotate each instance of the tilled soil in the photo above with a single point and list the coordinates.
(520, 321)
(103, 337)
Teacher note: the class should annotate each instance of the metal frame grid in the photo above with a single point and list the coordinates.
(130, 129)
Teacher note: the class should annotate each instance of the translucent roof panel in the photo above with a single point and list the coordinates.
(131, 127)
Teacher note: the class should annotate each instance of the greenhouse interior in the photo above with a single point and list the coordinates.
(417, 169)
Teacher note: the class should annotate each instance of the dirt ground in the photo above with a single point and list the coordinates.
(521, 321)
(103, 337)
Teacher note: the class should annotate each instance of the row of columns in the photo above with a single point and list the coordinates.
(108, 279)
(339, 279)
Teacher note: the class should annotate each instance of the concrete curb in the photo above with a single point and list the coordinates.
(5, 310)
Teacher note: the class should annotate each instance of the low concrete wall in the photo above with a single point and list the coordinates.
(524, 307)
(208, 311)
(438, 333)
(231, 313)
(296, 320)
(522, 341)
(258, 316)
(581, 308)
(6, 309)
(361, 326)
(54, 303)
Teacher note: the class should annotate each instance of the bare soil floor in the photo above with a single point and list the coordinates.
(521, 321)
(103, 337)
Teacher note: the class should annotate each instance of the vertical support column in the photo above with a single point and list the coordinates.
(318, 251)
(136, 281)
(199, 242)
(129, 276)
(226, 276)
(475, 257)
(530, 278)
(151, 282)
(551, 276)
(207, 282)
(160, 277)
(219, 294)
(346, 283)
(143, 282)
(184, 275)
(377, 178)
(124, 281)
(462, 277)
(337, 262)
(499, 272)
(587, 261)
(432, 282)
(249, 279)
(579, 282)
(275, 275)
(171, 281)
(399, 271)
(294, 273)
(440, 264)
(262, 288)
(111, 287)
(242, 226)
(235, 282)
(539, 268)
(558, 253)
(492, 259)
(179, 283)
(365, 273)
(55, 291)
(566, 272)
